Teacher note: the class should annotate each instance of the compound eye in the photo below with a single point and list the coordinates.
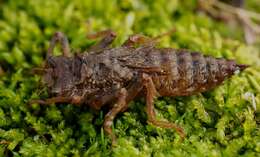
(54, 73)
(51, 62)
(48, 80)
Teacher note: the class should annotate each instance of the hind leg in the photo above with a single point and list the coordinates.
(108, 37)
(138, 39)
(151, 93)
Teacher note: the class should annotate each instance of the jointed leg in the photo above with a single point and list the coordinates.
(108, 37)
(59, 37)
(133, 90)
(150, 95)
(144, 40)
(102, 98)
(4, 142)
(137, 39)
(110, 116)
(74, 100)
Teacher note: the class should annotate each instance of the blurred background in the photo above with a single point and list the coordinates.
(26, 27)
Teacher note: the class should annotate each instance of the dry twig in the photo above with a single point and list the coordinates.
(227, 13)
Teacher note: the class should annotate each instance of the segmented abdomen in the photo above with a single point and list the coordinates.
(188, 73)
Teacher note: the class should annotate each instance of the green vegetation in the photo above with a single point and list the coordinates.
(221, 122)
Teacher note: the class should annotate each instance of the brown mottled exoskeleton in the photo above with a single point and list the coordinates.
(117, 75)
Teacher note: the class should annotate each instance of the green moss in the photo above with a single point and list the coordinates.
(221, 122)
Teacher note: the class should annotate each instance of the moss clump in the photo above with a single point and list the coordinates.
(221, 122)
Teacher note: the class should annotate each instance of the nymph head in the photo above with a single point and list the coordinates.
(58, 74)
(58, 71)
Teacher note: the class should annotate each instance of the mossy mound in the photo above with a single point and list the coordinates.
(221, 122)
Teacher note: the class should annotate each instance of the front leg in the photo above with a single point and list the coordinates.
(151, 94)
(76, 100)
(62, 39)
